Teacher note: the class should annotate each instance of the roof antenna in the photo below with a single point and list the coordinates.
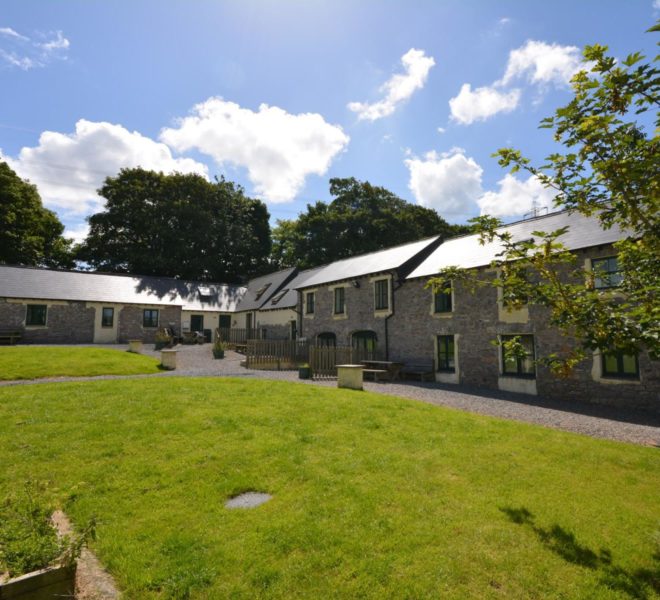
(537, 210)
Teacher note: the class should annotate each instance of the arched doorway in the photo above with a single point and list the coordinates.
(364, 344)
(326, 339)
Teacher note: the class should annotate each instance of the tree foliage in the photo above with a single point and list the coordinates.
(179, 226)
(609, 171)
(29, 233)
(361, 218)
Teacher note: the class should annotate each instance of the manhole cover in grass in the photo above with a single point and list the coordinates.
(248, 500)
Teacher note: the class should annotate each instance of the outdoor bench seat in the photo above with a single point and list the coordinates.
(10, 335)
(421, 371)
(375, 374)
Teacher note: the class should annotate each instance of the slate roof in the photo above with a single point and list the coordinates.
(290, 297)
(366, 264)
(268, 285)
(46, 284)
(466, 252)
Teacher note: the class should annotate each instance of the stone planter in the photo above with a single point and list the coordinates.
(168, 359)
(218, 353)
(135, 346)
(304, 373)
(160, 345)
(349, 376)
(53, 582)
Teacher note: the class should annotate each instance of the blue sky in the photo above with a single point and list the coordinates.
(281, 96)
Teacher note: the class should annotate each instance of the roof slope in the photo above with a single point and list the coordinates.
(365, 264)
(467, 252)
(261, 289)
(46, 284)
(289, 299)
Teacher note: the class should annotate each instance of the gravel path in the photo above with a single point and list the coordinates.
(625, 425)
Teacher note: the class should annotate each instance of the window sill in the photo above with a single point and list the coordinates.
(36, 327)
(518, 375)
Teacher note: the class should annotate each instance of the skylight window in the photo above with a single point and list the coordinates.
(277, 297)
(261, 291)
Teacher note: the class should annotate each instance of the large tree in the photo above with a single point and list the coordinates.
(609, 170)
(29, 233)
(179, 226)
(361, 218)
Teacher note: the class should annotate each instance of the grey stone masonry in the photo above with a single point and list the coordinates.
(477, 320)
(66, 322)
(359, 315)
(130, 321)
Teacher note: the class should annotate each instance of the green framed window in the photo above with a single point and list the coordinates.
(309, 303)
(442, 302)
(382, 296)
(607, 273)
(620, 365)
(36, 314)
(107, 316)
(519, 366)
(340, 301)
(364, 341)
(446, 354)
(150, 317)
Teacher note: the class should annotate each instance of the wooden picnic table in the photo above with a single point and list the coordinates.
(385, 368)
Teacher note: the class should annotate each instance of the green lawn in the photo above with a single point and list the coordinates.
(35, 362)
(373, 496)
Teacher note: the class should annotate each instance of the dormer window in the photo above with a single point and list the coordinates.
(261, 291)
(277, 297)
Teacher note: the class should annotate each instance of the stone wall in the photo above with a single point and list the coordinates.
(477, 320)
(130, 320)
(359, 313)
(66, 322)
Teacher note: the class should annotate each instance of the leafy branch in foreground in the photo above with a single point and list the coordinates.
(610, 172)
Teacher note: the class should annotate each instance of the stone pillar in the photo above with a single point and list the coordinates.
(135, 346)
(349, 376)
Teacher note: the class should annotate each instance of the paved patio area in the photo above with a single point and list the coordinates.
(619, 424)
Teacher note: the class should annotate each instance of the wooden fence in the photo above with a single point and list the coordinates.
(276, 355)
(323, 360)
(238, 337)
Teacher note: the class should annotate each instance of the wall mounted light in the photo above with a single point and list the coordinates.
(355, 283)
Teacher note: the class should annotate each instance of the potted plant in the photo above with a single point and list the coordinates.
(163, 339)
(304, 371)
(219, 348)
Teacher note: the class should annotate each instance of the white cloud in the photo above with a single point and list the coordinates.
(25, 53)
(515, 197)
(69, 168)
(656, 4)
(398, 88)
(543, 63)
(77, 232)
(449, 183)
(278, 149)
(9, 32)
(482, 103)
(441, 130)
(58, 43)
(504, 21)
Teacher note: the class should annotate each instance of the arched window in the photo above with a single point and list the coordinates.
(364, 341)
(327, 338)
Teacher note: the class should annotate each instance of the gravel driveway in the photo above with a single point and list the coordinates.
(620, 424)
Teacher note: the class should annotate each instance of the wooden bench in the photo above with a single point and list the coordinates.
(375, 374)
(10, 336)
(421, 371)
